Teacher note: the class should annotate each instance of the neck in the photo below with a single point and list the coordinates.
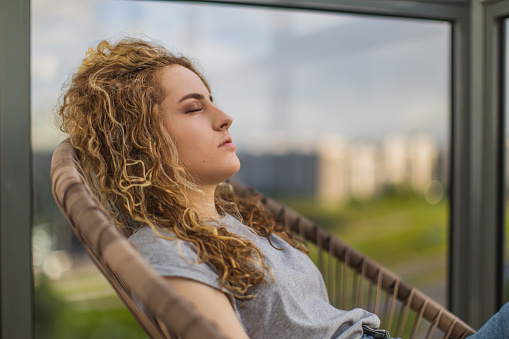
(204, 203)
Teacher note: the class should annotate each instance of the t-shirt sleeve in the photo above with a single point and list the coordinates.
(174, 258)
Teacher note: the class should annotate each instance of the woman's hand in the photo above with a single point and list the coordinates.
(211, 303)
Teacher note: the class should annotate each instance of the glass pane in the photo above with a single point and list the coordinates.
(344, 118)
(506, 112)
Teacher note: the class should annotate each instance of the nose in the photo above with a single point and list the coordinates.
(223, 120)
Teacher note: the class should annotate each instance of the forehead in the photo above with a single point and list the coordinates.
(178, 81)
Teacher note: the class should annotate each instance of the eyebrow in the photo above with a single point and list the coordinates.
(196, 96)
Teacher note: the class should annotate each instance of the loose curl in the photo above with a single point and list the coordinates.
(111, 112)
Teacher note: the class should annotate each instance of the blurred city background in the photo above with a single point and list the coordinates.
(344, 118)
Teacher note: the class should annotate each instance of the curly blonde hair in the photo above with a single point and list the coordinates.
(111, 112)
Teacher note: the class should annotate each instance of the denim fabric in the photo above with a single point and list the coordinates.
(497, 327)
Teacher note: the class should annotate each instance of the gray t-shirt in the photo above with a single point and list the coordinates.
(294, 306)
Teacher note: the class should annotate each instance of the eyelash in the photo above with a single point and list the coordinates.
(195, 110)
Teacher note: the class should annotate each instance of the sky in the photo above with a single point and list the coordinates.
(288, 78)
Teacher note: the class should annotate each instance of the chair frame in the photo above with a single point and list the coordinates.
(167, 315)
(385, 281)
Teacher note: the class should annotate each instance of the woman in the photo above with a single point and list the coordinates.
(157, 147)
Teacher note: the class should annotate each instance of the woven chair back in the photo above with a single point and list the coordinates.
(164, 313)
(353, 280)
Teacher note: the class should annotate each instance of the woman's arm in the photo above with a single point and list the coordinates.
(211, 303)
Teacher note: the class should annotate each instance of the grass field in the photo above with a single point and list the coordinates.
(401, 231)
(82, 305)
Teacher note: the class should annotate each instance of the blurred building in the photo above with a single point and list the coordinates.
(423, 154)
(333, 181)
(274, 173)
(338, 170)
(364, 166)
(395, 155)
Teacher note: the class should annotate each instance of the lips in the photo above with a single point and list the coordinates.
(227, 142)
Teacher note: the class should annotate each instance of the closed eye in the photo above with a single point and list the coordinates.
(195, 110)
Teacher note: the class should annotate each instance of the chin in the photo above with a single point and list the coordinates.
(232, 170)
(219, 174)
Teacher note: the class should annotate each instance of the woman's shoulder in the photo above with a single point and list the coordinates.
(171, 256)
(161, 244)
(147, 236)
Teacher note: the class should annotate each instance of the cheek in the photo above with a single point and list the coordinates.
(169, 125)
(174, 130)
(193, 150)
(190, 139)
(180, 141)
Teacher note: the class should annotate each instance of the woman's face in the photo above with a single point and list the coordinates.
(198, 128)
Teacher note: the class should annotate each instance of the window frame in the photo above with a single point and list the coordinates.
(477, 149)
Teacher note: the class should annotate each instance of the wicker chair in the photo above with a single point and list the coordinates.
(353, 280)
